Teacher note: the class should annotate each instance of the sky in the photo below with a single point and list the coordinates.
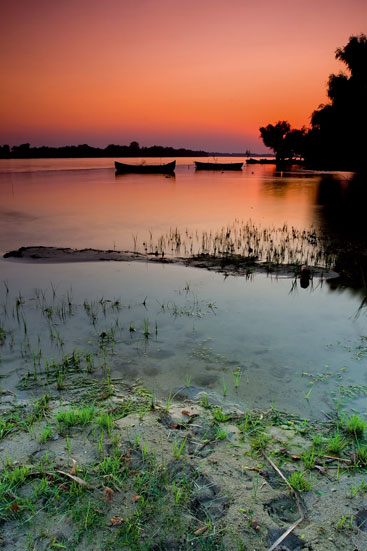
(201, 74)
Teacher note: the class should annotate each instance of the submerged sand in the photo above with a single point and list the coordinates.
(231, 265)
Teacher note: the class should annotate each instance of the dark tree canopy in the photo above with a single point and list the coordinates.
(284, 141)
(354, 55)
(273, 136)
(338, 134)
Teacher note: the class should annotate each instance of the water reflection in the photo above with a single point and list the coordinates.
(273, 334)
(88, 206)
(341, 215)
(343, 203)
(202, 328)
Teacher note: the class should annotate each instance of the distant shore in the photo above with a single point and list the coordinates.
(25, 151)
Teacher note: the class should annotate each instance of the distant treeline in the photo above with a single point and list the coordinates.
(25, 151)
(336, 138)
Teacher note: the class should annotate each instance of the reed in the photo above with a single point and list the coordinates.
(245, 240)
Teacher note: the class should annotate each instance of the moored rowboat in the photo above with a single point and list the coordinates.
(168, 168)
(218, 166)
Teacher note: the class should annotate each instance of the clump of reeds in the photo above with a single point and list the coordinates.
(246, 240)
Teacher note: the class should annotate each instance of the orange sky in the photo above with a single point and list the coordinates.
(192, 73)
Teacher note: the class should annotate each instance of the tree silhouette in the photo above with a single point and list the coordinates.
(274, 136)
(283, 140)
(337, 137)
(339, 128)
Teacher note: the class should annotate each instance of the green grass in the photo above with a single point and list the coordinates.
(74, 417)
(6, 426)
(361, 455)
(361, 488)
(356, 426)
(205, 401)
(219, 416)
(251, 424)
(336, 444)
(259, 441)
(178, 448)
(236, 377)
(220, 434)
(309, 459)
(105, 421)
(298, 482)
(46, 434)
(112, 466)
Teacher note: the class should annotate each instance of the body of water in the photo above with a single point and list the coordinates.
(255, 342)
(82, 203)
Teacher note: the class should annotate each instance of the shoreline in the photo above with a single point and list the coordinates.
(230, 265)
(88, 460)
(127, 470)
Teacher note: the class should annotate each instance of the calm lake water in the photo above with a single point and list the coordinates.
(301, 350)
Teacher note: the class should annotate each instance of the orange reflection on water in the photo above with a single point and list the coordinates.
(95, 208)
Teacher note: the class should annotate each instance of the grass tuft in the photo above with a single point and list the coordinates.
(299, 482)
(356, 426)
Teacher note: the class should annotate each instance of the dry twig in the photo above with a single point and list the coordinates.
(291, 528)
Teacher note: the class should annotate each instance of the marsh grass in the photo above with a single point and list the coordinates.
(220, 416)
(361, 455)
(355, 426)
(236, 377)
(178, 448)
(105, 421)
(309, 459)
(46, 434)
(146, 328)
(246, 242)
(251, 424)
(260, 441)
(298, 482)
(361, 488)
(74, 417)
(336, 444)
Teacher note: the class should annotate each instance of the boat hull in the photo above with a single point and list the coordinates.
(218, 166)
(123, 168)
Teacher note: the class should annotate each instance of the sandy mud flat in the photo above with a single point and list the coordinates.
(101, 465)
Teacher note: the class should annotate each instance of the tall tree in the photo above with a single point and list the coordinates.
(339, 128)
(274, 136)
(337, 138)
(286, 142)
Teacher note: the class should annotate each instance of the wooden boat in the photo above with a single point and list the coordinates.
(260, 161)
(168, 168)
(218, 166)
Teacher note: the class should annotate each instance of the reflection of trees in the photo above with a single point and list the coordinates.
(342, 204)
(342, 218)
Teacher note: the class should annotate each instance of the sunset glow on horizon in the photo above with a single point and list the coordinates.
(194, 73)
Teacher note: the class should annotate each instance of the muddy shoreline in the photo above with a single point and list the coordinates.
(231, 265)
(181, 475)
(90, 462)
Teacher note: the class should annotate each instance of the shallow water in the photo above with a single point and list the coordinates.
(293, 347)
(203, 329)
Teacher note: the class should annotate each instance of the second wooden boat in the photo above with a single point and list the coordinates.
(218, 166)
